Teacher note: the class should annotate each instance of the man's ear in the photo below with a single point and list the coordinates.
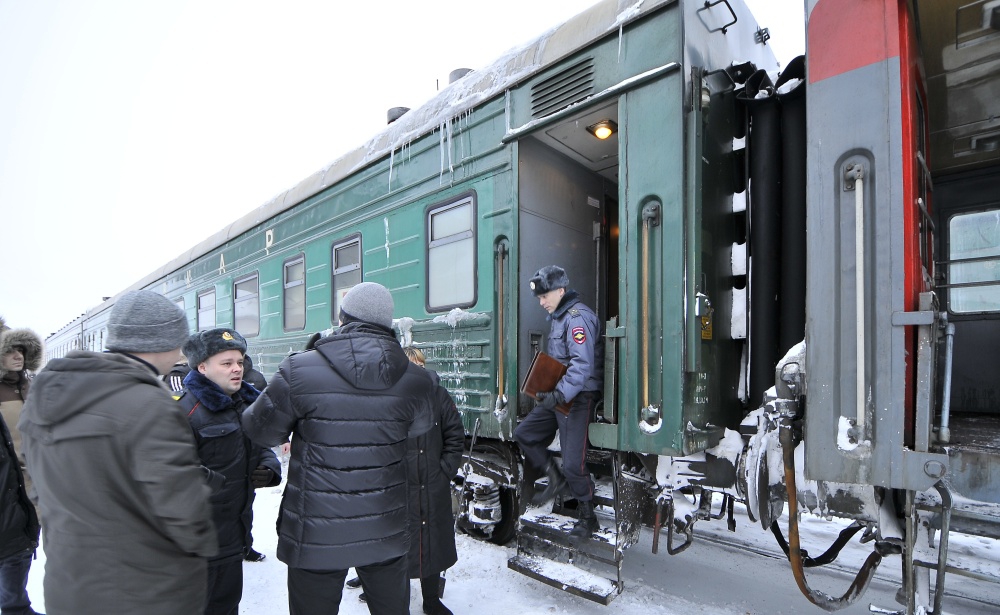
(202, 368)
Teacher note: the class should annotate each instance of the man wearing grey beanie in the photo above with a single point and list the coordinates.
(352, 402)
(117, 474)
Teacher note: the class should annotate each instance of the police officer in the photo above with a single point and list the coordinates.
(575, 341)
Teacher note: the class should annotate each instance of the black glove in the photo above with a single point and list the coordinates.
(261, 477)
(548, 399)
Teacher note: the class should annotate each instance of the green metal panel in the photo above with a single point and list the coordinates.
(653, 154)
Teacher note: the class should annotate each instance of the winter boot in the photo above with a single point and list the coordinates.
(556, 486)
(253, 556)
(430, 589)
(354, 582)
(587, 523)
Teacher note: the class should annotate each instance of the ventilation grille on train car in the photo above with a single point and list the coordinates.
(562, 89)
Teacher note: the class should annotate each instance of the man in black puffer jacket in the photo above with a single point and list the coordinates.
(214, 398)
(352, 403)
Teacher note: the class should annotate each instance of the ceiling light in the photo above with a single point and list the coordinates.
(603, 129)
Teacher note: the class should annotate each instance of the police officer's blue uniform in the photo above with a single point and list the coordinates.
(575, 340)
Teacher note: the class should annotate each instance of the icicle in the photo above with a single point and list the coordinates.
(386, 221)
(621, 27)
(392, 155)
(441, 147)
(451, 165)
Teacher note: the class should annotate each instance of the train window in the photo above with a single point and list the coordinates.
(246, 304)
(206, 310)
(451, 255)
(346, 270)
(295, 293)
(974, 262)
(180, 302)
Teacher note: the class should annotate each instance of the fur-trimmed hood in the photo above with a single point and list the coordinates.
(27, 339)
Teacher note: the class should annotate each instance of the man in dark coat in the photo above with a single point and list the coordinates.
(128, 528)
(352, 403)
(214, 398)
(432, 461)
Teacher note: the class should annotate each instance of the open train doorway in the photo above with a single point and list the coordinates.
(568, 216)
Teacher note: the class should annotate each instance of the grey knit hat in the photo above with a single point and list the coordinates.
(548, 279)
(204, 344)
(369, 302)
(144, 321)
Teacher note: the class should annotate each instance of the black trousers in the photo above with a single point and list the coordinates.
(225, 587)
(318, 592)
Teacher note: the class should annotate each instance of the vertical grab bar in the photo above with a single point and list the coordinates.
(855, 173)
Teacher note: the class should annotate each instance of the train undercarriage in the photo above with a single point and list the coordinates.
(746, 473)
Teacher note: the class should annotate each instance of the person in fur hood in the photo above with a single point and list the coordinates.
(20, 354)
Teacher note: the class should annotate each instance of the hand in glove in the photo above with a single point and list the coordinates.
(261, 477)
(548, 399)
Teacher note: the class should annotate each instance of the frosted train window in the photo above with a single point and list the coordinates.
(295, 294)
(246, 304)
(206, 310)
(451, 255)
(974, 262)
(346, 270)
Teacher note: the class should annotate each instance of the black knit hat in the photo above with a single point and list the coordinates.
(205, 344)
(548, 279)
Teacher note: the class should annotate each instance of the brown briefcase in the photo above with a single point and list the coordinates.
(543, 375)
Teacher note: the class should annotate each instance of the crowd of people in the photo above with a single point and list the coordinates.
(145, 498)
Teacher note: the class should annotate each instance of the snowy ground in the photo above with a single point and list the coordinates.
(708, 578)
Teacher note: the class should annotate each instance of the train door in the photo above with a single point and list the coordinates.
(567, 187)
(968, 216)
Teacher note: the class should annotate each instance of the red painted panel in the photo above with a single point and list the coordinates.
(847, 34)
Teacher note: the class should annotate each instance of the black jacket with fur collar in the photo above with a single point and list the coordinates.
(225, 449)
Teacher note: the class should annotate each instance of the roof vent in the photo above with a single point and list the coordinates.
(563, 88)
(395, 113)
(457, 74)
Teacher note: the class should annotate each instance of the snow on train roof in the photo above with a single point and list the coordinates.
(478, 86)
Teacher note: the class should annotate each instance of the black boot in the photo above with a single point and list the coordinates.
(253, 556)
(556, 486)
(354, 582)
(587, 523)
(430, 589)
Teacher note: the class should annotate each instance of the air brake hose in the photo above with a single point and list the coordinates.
(820, 599)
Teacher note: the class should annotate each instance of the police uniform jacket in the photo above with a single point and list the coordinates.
(128, 528)
(575, 341)
(432, 460)
(229, 456)
(352, 403)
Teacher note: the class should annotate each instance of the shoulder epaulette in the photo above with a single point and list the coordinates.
(574, 312)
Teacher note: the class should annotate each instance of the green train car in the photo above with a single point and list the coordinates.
(702, 249)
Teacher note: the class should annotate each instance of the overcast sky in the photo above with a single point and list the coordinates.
(131, 130)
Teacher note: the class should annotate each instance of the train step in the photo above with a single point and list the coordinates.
(546, 552)
(566, 577)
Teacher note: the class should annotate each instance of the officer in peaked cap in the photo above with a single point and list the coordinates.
(575, 341)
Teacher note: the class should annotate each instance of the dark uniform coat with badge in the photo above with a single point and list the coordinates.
(225, 450)
(575, 340)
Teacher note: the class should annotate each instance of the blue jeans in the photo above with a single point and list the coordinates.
(13, 580)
